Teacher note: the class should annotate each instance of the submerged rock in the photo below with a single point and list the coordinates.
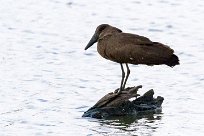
(113, 104)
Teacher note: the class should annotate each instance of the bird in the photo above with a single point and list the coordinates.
(126, 48)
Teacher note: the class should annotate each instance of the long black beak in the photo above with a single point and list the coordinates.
(93, 40)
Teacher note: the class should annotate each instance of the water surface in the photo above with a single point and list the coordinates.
(48, 80)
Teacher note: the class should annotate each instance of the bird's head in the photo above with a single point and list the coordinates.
(101, 31)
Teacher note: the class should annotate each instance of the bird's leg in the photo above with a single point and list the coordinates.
(123, 76)
(127, 75)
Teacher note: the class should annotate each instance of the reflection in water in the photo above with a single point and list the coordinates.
(144, 124)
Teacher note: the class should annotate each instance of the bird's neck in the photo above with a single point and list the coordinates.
(102, 45)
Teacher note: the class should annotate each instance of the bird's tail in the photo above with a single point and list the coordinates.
(172, 61)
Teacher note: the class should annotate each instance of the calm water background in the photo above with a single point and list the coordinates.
(47, 80)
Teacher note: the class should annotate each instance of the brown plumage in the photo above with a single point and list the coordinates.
(126, 48)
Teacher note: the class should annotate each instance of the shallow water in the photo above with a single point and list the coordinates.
(48, 80)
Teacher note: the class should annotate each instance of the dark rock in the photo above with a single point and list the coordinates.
(113, 104)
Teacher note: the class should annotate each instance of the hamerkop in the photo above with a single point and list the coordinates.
(126, 48)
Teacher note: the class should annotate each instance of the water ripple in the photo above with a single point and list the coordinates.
(48, 80)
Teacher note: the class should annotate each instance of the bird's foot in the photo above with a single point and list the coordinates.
(118, 91)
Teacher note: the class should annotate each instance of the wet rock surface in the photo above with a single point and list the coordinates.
(114, 104)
